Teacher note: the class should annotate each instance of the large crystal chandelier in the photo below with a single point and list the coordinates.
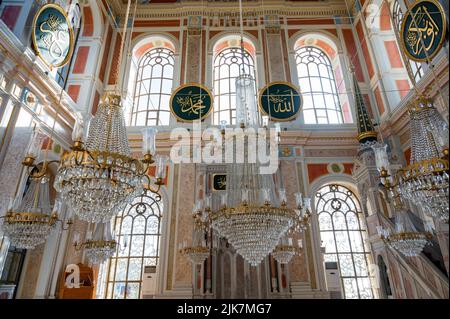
(425, 182)
(99, 177)
(251, 216)
(253, 229)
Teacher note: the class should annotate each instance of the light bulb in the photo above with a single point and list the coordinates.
(78, 133)
(282, 194)
(161, 162)
(149, 140)
(223, 198)
(244, 195)
(307, 203)
(35, 145)
(223, 125)
(266, 195)
(208, 200)
(381, 156)
(298, 199)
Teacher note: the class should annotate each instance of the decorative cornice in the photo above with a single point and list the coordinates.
(183, 9)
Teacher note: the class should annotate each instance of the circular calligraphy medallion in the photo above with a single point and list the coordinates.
(52, 35)
(423, 30)
(191, 102)
(281, 101)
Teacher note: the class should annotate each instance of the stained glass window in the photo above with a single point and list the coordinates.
(140, 227)
(226, 69)
(397, 15)
(344, 237)
(153, 88)
(317, 83)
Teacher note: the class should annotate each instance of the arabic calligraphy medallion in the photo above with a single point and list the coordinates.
(423, 30)
(52, 36)
(219, 182)
(281, 101)
(191, 102)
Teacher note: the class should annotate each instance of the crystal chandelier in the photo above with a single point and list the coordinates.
(425, 182)
(249, 217)
(99, 179)
(253, 230)
(303, 211)
(30, 221)
(99, 247)
(199, 250)
(405, 238)
(285, 251)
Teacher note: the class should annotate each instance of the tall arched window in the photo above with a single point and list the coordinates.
(153, 88)
(317, 83)
(140, 226)
(344, 235)
(226, 68)
(397, 15)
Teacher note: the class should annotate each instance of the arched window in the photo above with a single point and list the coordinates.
(344, 235)
(153, 88)
(226, 68)
(397, 16)
(140, 226)
(318, 85)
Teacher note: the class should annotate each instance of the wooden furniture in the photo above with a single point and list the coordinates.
(87, 288)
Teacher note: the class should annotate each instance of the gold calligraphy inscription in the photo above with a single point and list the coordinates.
(221, 182)
(282, 102)
(53, 36)
(422, 31)
(192, 103)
